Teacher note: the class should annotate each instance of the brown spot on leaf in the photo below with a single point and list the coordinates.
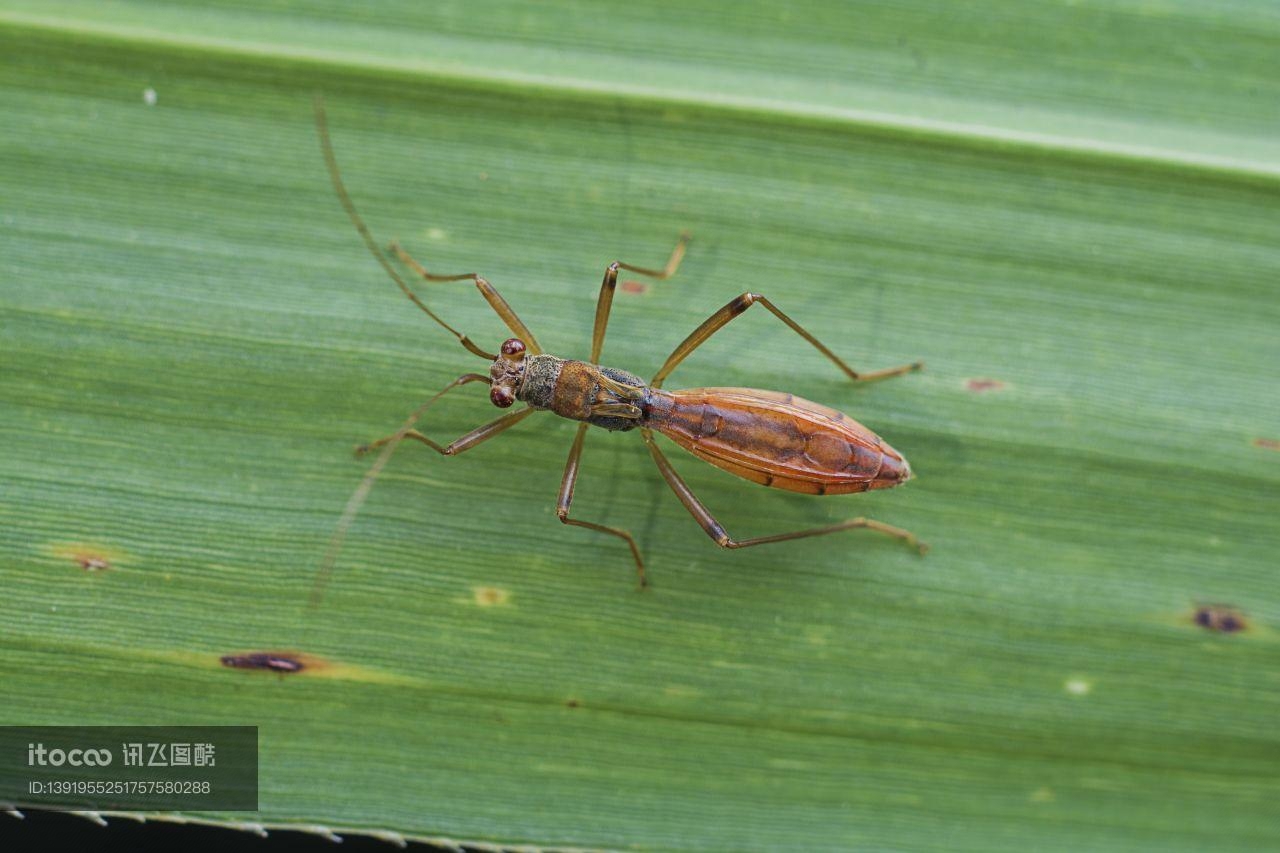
(982, 386)
(90, 557)
(633, 286)
(1222, 618)
(281, 662)
(572, 703)
(1267, 443)
(490, 596)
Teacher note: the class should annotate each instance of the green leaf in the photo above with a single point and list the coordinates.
(1067, 210)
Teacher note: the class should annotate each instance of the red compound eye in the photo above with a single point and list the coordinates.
(501, 396)
(512, 346)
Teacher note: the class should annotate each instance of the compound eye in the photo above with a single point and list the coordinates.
(501, 396)
(513, 347)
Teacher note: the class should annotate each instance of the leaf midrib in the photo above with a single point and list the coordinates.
(959, 134)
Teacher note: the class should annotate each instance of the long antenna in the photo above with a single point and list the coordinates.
(356, 501)
(357, 498)
(331, 162)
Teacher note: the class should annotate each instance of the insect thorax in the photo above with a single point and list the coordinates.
(538, 385)
(571, 389)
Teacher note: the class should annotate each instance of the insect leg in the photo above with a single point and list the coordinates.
(406, 431)
(605, 301)
(487, 290)
(458, 445)
(388, 446)
(566, 498)
(736, 307)
(717, 532)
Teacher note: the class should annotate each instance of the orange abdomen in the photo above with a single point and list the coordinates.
(777, 440)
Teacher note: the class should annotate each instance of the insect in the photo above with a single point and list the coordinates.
(767, 437)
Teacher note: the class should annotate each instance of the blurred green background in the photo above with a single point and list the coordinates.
(1068, 210)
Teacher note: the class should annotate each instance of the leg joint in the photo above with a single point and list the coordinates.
(719, 534)
(743, 302)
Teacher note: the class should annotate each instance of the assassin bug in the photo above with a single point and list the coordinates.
(767, 437)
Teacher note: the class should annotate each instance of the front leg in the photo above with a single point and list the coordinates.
(459, 445)
(490, 293)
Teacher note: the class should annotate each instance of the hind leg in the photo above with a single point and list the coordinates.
(717, 532)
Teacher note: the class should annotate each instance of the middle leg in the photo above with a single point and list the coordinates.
(605, 301)
(736, 307)
(566, 499)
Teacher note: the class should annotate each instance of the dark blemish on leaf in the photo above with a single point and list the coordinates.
(1267, 443)
(982, 386)
(572, 703)
(1220, 617)
(633, 286)
(272, 661)
(89, 556)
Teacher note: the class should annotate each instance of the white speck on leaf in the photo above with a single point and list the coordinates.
(1077, 686)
